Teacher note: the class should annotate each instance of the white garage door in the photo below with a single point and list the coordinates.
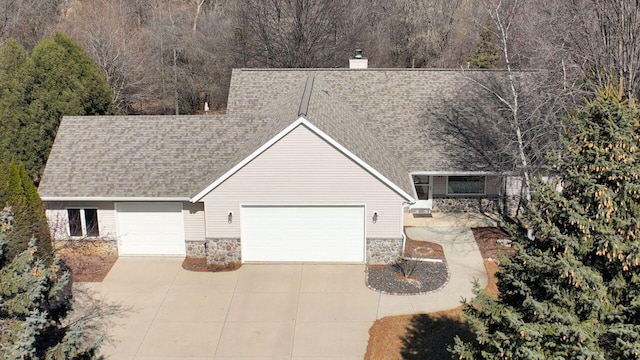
(303, 233)
(149, 228)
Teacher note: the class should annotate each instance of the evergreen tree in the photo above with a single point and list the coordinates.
(574, 291)
(13, 60)
(486, 54)
(35, 299)
(57, 79)
(18, 193)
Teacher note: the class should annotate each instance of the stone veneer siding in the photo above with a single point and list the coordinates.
(468, 205)
(383, 251)
(223, 251)
(500, 205)
(196, 249)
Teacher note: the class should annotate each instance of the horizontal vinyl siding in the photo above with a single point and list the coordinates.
(494, 186)
(302, 169)
(193, 221)
(58, 221)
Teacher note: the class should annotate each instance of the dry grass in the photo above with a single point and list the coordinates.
(89, 261)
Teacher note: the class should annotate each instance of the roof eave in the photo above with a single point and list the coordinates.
(114, 198)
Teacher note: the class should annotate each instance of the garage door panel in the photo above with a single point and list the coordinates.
(150, 229)
(307, 234)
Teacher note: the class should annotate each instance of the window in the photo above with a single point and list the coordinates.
(75, 224)
(422, 185)
(465, 185)
(83, 222)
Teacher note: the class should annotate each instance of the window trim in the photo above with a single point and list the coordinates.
(428, 185)
(83, 222)
(484, 186)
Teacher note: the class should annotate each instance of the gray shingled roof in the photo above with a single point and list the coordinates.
(137, 156)
(397, 105)
(379, 115)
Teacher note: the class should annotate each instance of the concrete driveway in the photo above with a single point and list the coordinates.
(285, 311)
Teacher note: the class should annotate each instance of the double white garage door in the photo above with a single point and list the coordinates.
(268, 233)
(303, 233)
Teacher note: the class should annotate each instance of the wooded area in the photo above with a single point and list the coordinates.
(169, 56)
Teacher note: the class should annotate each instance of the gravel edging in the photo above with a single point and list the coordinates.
(428, 277)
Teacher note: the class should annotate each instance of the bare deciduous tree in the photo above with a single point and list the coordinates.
(27, 21)
(421, 31)
(296, 33)
(109, 32)
(603, 39)
(515, 121)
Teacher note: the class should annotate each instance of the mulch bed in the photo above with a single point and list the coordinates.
(200, 265)
(427, 276)
(89, 261)
(487, 238)
(388, 279)
(423, 250)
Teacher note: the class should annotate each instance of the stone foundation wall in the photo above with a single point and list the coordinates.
(506, 206)
(383, 251)
(196, 249)
(223, 251)
(468, 205)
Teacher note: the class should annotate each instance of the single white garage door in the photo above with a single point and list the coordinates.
(150, 228)
(303, 233)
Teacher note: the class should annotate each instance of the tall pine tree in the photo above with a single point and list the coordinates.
(58, 78)
(574, 291)
(18, 193)
(13, 102)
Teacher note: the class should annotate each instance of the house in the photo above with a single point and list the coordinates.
(307, 165)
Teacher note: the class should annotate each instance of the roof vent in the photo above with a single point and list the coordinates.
(358, 61)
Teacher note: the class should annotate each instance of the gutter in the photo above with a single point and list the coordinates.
(113, 198)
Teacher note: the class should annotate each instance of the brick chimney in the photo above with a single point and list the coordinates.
(358, 61)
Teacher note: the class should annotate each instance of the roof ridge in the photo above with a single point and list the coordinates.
(306, 97)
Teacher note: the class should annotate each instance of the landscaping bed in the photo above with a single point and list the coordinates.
(427, 336)
(200, 265)
(89, 261)
(425, 278)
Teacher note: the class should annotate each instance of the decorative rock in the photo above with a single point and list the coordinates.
(383, 251)
(196, 249)
(223, 251)
(504, 242)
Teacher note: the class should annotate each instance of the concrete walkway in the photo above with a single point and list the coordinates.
(291, 311)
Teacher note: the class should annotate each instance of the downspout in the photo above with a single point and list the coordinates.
(404, 242)
(405, 206)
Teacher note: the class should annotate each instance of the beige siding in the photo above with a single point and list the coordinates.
(193, 221)
(494, 186)
(303, 169)
(58, 221)
(513, 186)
